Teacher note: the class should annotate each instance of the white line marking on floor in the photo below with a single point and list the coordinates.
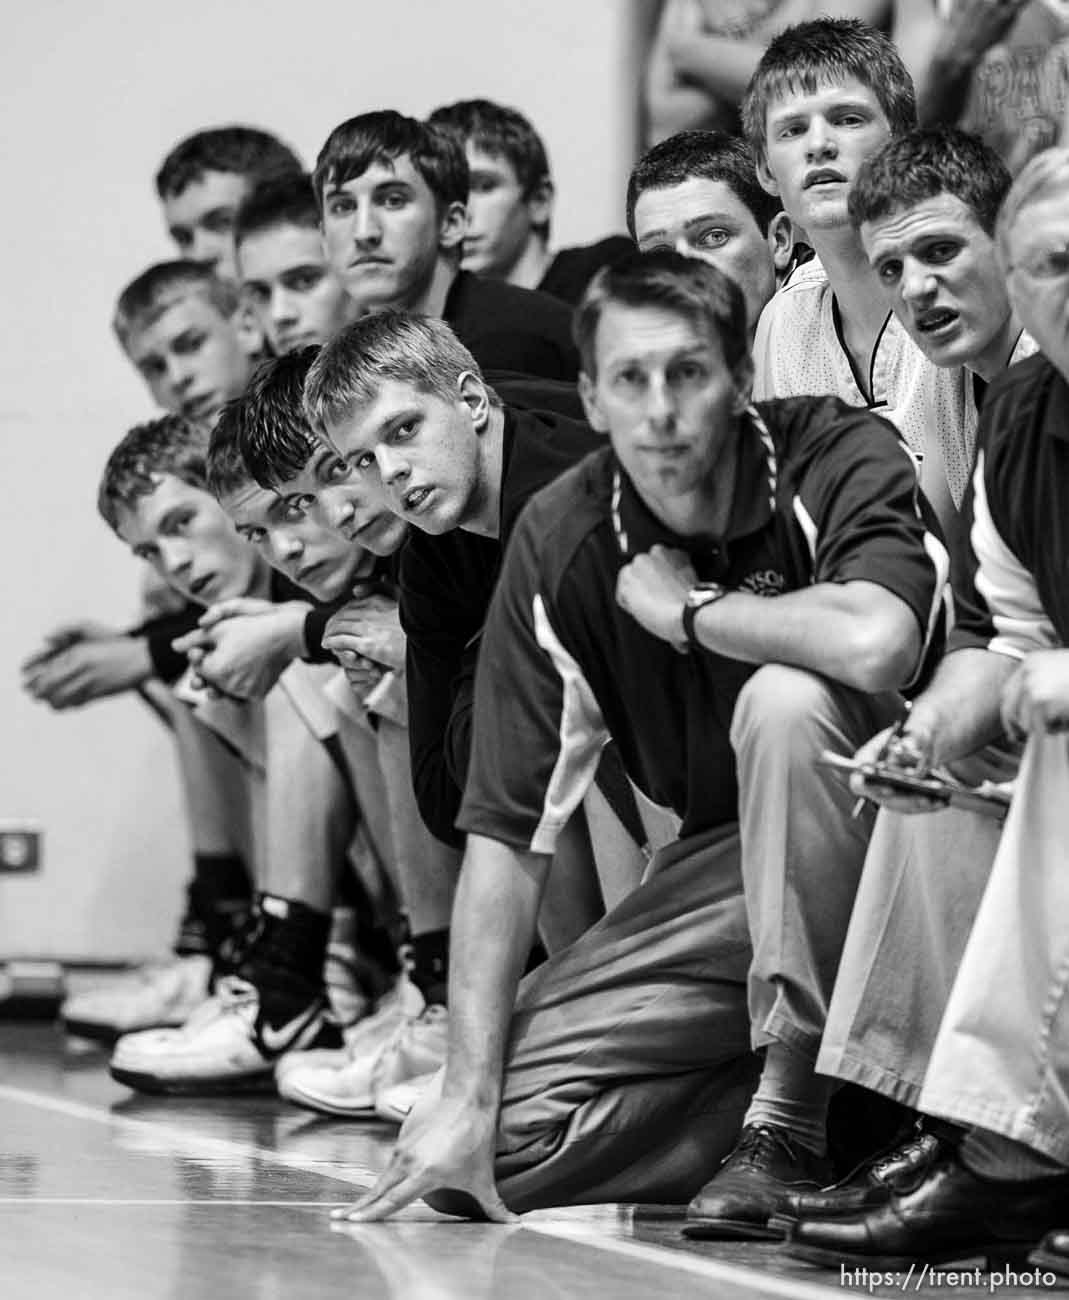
(752, 1279)
(185, 1143)
(578, 1224)
(186, 1200)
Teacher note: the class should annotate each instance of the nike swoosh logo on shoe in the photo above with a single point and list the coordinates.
(277, 1041)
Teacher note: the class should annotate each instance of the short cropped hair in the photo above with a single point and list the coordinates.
(148, 296)
(170, 445)
(243, 150)
(225, 464)
(283, 201)
(711, 155)
(925, 163)
(710, 300)
(418, 350)
(385, 136)
(266, 428)
(1045, 176)
(811, 54)
(500, 132)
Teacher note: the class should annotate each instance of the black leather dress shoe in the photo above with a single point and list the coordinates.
(750, 1186)
(900, 1168)
(1052, 1253)
(952, 1215)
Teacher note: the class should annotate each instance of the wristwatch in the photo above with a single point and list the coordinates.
(700, 595)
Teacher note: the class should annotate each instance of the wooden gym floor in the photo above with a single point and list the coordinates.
(107, 1195)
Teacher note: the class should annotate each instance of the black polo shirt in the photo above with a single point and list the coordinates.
(1014, 596)
(446, 583)
(505, 327)
(563, 668)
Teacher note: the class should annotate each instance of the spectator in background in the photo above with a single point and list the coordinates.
(705, 52)
(997, 68)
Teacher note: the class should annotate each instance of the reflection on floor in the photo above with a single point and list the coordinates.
(106, 1195)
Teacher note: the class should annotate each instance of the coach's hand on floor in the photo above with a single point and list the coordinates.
(446, 1142)
(242, 647)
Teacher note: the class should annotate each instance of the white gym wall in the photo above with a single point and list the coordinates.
(94, 96)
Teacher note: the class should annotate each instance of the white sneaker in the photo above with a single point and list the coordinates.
(417, 1049)
(153, 997)
(338, 1084)
(224, 1047)
(360, 1036)
(395, 1102)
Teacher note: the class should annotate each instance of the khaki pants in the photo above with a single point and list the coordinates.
(802, 852)
(920, 891)
(629, 1067)
(1001, 1056)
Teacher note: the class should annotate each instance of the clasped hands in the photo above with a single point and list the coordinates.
(366, 638)
(242, 646)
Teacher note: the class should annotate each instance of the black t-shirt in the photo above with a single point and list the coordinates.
(446, 584)
(1014, 596)
(563, 668)
(572, 269)
(508, 328)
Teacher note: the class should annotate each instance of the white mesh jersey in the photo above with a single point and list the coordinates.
(798, 350)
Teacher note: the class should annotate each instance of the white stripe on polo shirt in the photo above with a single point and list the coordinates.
(582, 736)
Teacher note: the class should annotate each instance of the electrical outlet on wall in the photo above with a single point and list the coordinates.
(20, 845)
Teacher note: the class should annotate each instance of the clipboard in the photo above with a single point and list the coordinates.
(989, 799)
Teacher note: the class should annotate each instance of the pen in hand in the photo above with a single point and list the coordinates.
(897, 731)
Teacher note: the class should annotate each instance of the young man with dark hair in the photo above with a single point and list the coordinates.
(510, 204)
(282, 783)
(203, 181)
(294, 293)
(826, 95)
(925, 207)
(393, 194)
(983, 1042)
(698, 193)
(634, 602)
(290, 492)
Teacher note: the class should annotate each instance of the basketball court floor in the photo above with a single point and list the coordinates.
(107, 1195)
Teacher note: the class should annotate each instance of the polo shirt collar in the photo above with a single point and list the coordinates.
(637, 529)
